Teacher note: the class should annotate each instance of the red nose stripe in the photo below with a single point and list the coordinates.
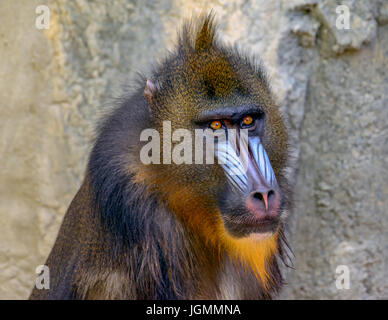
(265, 199)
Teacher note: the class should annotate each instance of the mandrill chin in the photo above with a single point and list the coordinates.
(151, 223)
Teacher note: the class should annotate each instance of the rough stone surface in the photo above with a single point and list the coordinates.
(332, 85)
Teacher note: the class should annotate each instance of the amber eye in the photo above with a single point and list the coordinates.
(216, 124)
(247, 121)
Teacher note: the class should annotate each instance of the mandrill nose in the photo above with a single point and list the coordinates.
(264, 204)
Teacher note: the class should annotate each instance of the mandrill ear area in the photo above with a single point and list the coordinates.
(152, 96)
(150, 91)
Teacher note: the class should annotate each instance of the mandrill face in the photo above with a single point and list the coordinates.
(250, 203)
(215, 89)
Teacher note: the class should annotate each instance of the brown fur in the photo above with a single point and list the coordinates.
(155, 232)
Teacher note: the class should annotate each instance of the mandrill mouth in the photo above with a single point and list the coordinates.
(247, 225)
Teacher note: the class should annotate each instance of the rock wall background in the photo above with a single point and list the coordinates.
(332, 84)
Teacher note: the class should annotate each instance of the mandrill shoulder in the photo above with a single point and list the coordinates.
(91, 260)
(70, 254)
(81, 260)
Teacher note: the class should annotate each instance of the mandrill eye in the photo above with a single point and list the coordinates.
(216, 124)
(247, 122)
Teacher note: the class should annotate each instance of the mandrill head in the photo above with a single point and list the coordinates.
(209, 102)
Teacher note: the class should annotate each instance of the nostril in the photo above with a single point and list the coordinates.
(266, 198)
(258, 196)
(264, 203)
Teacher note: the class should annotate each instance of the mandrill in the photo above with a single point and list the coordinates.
(149, 223)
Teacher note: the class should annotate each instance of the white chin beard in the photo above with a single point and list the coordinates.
(260, 236)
